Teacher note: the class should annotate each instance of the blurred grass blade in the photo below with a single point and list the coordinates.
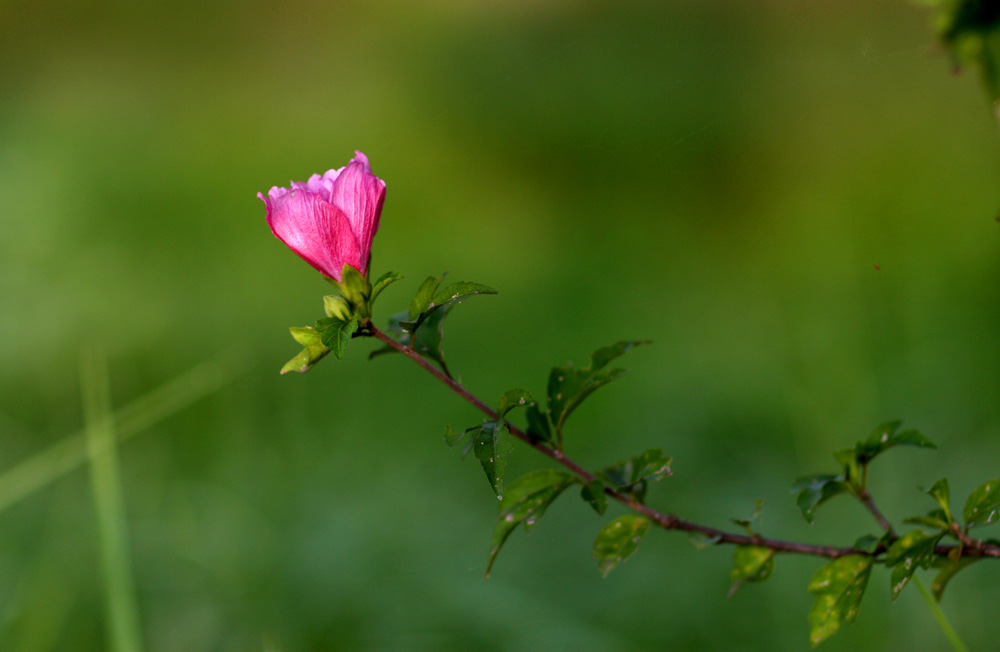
(102, 449)
(62, 457)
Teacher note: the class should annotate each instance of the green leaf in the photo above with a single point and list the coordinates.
(513, 398)
(701, 540)
(983, 505)
(568, 386)
(949, 569)
(423, 296)
(383, 282)
(593, 493)
(971, 30)
(939, 491)
(848, 460)
(619, 540)
(493, 446)
(885, 436)
(525, 500)
(355, 288)
(815, 490)
(443, 299)
(337, 306)
(913, 550)
(749, 523)
(633, 476)
(839, 587)
(538, 425)
(932, 521)
(428, 342)
(750, 564)
(336, 333)
(313, 352)
(451, 437)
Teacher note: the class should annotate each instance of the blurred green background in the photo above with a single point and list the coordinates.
(794, 200)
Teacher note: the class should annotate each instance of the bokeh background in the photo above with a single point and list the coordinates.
(794, 200)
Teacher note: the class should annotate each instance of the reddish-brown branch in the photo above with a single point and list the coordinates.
(665, 521)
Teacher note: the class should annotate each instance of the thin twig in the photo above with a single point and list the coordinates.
(665, 521)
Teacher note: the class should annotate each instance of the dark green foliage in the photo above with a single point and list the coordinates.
(633, 476)
(983, 505)
(336, 333)
(525, 500)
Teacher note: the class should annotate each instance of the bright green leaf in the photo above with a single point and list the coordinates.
(313, 352)
(336, 333)
(983, 505)
(750, 564)
(815, 490)
(619, 540)
(839, 587)
(383, 282)
(524, 501)
(422, 298)
(912, 551)
(949, 569)
(939, 491)
(593, 493)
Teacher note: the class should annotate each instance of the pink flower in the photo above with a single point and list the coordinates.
(330, 220)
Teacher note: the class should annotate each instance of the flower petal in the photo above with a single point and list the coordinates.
(360, 195)
(319, 232)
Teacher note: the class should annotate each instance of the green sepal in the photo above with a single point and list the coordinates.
(336, 333)
(525, 500)
(915, 549)
(749, 523)
(382, 283)
(815, 490)
(750, 564)
(313, 352)
(839, 587)
(949, 568)
(337, 306)
(356, 289)
(593, 493)
(633, 476)
(618, 540)
(983, 504)
(569, 386)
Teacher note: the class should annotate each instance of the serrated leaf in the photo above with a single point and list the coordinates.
(750, 564)
(336, 333)
(983, 504)
(618, 540)
(422, 298)
(815, 490)
(914, 550)
(950, 568)
(492, 447)
(569, 386)
(383, 282)
(701, 540)
(939, 491)
(525, 500)
(839, 587)
(593, 493)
